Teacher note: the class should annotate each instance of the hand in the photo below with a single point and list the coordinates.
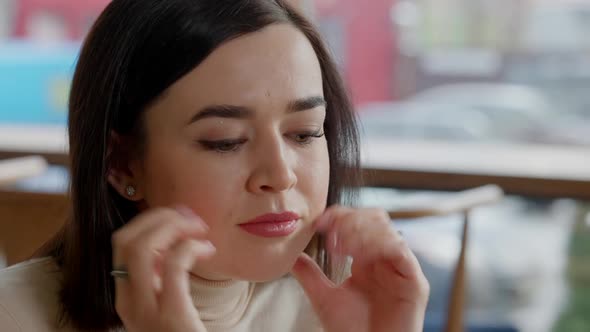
(387, 290)
(158, 248)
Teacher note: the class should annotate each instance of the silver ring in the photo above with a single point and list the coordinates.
(120, 273)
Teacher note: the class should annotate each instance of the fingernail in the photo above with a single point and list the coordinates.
(186, 211)
(338, 250)
(210, 248)
(299, 263)
(335, 242)
(189, 214)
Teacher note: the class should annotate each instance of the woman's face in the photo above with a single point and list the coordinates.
(238, 137)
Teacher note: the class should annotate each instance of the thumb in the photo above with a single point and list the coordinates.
(313, 280)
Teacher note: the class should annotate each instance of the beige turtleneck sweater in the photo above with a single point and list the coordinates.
(28, 302)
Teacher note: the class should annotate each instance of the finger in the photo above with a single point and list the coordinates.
(150, 219)
(402, 259)
(122, 299)
(151, 223)
(368, 235)
(174, 298)
(325, 221)
(182, 222)
(145, 257)
(359, 233)
(141, 253)
(312, 279)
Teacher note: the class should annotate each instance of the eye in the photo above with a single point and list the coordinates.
(222, 145)
(307, 137)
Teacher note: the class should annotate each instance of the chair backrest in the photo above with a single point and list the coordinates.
(463, 203)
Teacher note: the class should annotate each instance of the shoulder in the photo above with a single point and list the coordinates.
(29, 296)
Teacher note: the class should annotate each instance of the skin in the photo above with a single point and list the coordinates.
(195, 193)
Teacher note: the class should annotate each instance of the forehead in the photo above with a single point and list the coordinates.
(275, 63)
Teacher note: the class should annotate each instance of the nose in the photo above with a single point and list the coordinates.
(273, 171)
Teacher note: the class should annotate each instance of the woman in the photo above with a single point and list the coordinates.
(207, 138)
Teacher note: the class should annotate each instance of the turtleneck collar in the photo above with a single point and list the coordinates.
(220, 303)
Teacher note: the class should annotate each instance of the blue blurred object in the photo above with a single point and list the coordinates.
(435, 322)
(475, 329)
(35, 81)
(54, 180)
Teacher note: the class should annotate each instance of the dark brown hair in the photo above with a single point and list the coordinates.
(133, 53)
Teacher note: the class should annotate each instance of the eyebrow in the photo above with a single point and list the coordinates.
(306, 104)
(241, 112)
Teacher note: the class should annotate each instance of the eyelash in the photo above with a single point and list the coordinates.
(231, 145)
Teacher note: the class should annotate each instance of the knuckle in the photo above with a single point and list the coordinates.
(166, 227)
(381, 216)
(403, 255)
(164, 213)
(423, 285)
(426, 286)
(173, 264)
(132, 253)
(408, 254)
(119, 239)
(195, 247)
(349, 217)
(180, 222)
(357, 226)
(174, 259)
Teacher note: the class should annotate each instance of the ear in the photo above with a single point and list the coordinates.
(124, 174)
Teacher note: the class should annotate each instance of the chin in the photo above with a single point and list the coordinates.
(260, 261)
(264, 263)
(266, 269)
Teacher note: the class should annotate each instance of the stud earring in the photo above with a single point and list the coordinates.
(130, 191)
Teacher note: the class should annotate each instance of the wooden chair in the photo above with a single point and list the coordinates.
(27, 219)
(460, 203)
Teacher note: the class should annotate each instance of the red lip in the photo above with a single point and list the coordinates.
(272, 224)
(274, 218)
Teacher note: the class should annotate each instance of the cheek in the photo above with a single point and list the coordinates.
(182, 177)
(314, 180)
